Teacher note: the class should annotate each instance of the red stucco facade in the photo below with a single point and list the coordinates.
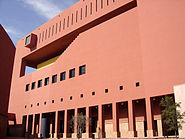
(133, 52)
(7, 52)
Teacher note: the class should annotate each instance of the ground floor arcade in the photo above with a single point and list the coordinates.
(132, 118)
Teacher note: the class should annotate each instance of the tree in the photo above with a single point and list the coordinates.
(81, 121)
(171, 115)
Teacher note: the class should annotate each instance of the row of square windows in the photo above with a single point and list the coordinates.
(81, 95)
(82, 70)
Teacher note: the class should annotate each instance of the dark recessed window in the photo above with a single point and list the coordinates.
(81, 95)
(39, 83)
(137, 84)
(71, 97)
(27, 87)
(54, 78)
(37, 104)
(71, 73)
(106, 90)
(25, 106)
(31, 105)
(93, 93)
(62, 76)
(46, 81)
(33, 85)
(28, 38)
(121, 88)
(82, 70)
(61, 99)
(53, 101)
(45, 103)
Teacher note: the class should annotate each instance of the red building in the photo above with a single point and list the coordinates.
(7, 52)
(111, 60)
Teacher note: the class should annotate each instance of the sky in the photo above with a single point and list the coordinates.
(20, 17)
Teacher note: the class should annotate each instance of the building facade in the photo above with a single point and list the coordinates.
(111, 60)
(7, 53)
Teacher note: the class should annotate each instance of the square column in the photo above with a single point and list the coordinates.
(150, 121)
(27, 121)
(86, 135)
(115, 120)
(131, 119)
(56, 124)
(33, 124)
(40, 119)
(65, 124)
(74, 135)
(100, 121)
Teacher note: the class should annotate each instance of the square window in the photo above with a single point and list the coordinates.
(61, 99)
(81, 95)
(106, 90)
(33, 85)
(121, 88)
(137, 84)
(28, 38)
(27, 87)
(62, 76)
(46, 81)
(54, 78)
(25, 106)
(71, 97)
(93, 93)
(71, 73)
(45, 103)
(53, 101)
(82, 70)
(31, 105)
(37, 104)
(39, 83)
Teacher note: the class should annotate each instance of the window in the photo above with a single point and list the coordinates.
(53, 101)
(28, 38)
(93, 93)
(39, 83)
(33, 85)
(31, 105)
(106, 90)
(137, 84)
(27, 87)
(62, 76)
(61, 99)
(25, 106)
(82, 70)
(71, 97)
(45, 103)
(71, 73)
(54, 78)
(46, 81)
(121, 88)
(81, 95)
(37, 104)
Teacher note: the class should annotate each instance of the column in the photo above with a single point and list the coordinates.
(40, 119)
(51, 125)
(131, 120)
(65, 124)
(100, 121)
(56, 124)
(115, 122)
(149, 118)
(27, 122)
(74, 135)
(33, 124)
(87, 122)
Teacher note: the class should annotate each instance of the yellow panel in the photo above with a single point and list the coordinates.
(47, 63)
